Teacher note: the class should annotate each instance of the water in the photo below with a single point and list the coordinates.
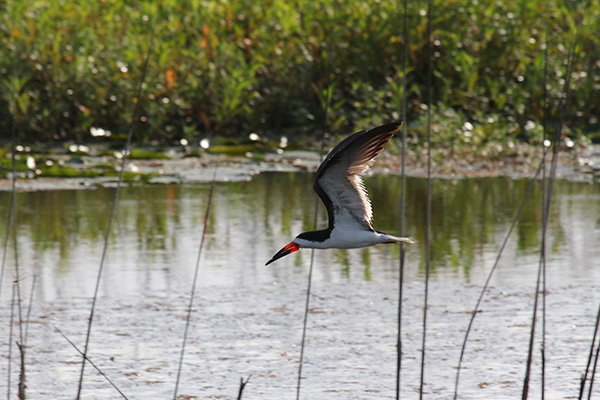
(247, 318)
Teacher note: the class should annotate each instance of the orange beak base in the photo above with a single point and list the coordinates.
(289, 249)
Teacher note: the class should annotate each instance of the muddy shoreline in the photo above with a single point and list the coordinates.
(522, 162)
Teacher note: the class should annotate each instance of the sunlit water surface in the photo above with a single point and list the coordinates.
(247, 318)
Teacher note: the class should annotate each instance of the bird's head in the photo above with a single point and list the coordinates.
(289, 249)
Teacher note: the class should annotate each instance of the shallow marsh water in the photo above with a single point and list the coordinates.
(247, 318)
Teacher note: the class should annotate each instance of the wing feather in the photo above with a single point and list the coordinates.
(338, 181)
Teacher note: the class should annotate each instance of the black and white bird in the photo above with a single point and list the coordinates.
(339, 185)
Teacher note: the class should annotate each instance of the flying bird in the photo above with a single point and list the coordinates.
(339, 184)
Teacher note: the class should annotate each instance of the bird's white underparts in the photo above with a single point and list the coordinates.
(339, 184)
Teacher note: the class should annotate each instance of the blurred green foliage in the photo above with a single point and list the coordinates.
(233, 67)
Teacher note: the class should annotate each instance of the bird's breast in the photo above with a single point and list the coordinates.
(352, 238)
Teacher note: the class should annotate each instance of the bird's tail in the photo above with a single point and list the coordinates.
(395, 239)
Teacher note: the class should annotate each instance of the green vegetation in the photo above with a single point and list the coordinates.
(57, 171)
(30, 165)
(141, 154)
(6, 164)
(233, 67)
(238, 147)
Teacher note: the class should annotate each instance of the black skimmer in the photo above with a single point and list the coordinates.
(339, 184)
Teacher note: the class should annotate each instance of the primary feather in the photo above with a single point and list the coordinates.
(338, 181)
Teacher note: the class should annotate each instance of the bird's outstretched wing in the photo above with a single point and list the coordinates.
(338, 181)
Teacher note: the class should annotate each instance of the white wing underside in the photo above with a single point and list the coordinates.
(344, 185)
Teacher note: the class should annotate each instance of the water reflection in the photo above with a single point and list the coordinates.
(157, 229)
